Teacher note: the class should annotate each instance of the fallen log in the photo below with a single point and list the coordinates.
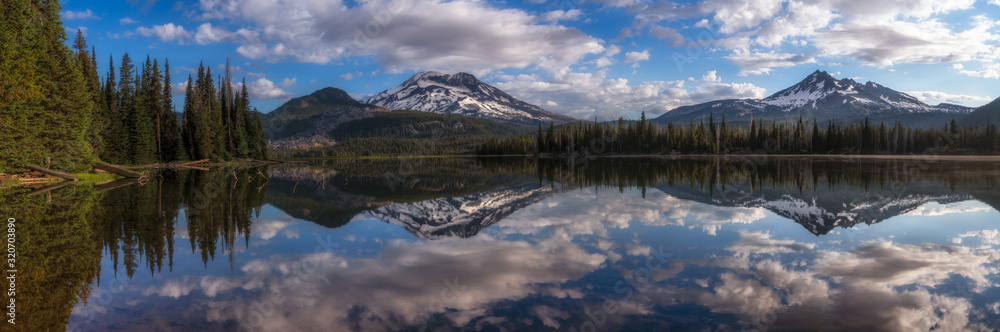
(194, 162)
(50, 188)
(116, 184)
(195, 167)
(117, 170)
(53, 173)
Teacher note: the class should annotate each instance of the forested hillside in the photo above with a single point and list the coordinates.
(986, 114)
(53, 103)
(410, 133)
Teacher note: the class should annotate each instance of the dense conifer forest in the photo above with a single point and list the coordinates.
(54, 104)
(717, 137)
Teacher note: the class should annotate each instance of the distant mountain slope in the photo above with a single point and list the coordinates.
(822, 97)
(989, 113)
(462, 94)
(303, 122)
(306, 106)
(413, 132)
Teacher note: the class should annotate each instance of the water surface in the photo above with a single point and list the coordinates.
(521, 244)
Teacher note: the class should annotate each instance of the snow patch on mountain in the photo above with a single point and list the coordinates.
(449, 92)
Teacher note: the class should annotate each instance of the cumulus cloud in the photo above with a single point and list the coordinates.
(126, 20)
(407, 34)
(879, 33)
(585, 95)
(752, 63)
(288, 83)
(70, 31)
(560, 15)
(263, 88)
(986, 70)
(711, 77)
(935, 97)
(591, 212)
(207, 34)
(348, 76)
(875, 285)
(165, 32)
(662, 32)
(637, 56)
(179, 88)
(503, 271)
(82, 15)
(894, 42)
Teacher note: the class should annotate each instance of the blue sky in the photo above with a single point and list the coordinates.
(584, 58)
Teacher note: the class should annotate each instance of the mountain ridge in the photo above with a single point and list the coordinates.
(461, 93)
(822, 97)
(303, 122)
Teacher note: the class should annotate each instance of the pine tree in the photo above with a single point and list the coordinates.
(113, 131)
(65, 102)
(189, 123)
(167, 120)
(126, 107)
(142, 135)
(20, 88)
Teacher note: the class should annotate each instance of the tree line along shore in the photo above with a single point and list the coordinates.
(55, 110)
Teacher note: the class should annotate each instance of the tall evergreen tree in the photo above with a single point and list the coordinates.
(20, 87)
(66, 102)
(170, 129)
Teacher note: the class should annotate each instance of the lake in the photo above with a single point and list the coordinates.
(517, 244)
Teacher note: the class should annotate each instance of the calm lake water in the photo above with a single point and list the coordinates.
(518, 244)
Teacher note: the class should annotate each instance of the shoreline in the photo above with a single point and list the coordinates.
(35, 178)
(947, 157)
(974, 158)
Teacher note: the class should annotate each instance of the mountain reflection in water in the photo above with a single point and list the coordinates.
(522, 244)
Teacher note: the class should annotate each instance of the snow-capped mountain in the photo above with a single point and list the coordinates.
(822, 97)
(463, 216)
(461, 94)
(822, 210)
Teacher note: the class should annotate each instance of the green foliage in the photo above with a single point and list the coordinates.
(986, 114)
(304, 107)
(43, 93)
(410, 133)
(56, 252)
(802, 137)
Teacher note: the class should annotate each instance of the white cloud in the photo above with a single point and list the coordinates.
(126, 20)
(602, 62)
(761, 63)
(711, 77)
(986, 236)
(179, 88)
(71, 32)
(504, 271)
(662, 32)
(987, 70)
(71, 15)
(263, 88)
(406, 34)
(347, 76)
(559, 15)
(935, 97)
(207, 34)
(588, 212)
(585, 94)
(165, 32)
(884, 44)
(287, 83)
(637, 56)
(612, 50)
(880, 33)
